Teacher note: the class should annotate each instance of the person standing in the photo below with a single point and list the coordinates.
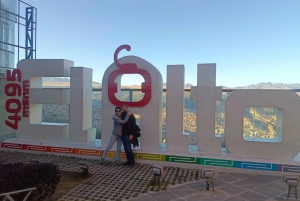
(116, 134)
(127, 135)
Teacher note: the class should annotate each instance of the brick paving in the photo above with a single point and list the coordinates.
(112, 182)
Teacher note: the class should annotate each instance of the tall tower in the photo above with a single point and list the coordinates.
(7, 56)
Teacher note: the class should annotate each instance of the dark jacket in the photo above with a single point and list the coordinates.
(136, 134)
(129, 127)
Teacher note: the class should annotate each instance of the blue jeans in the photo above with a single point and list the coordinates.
(113, 139)
(128, 150)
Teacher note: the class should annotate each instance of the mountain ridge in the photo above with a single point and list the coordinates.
(61, 81)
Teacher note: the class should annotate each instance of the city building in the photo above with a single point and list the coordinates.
(12, 45)
(7, 34)
(7, 55)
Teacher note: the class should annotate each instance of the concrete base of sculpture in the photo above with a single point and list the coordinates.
(193, 159)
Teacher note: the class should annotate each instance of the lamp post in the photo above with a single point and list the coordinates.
(157, 172)
(208, 174)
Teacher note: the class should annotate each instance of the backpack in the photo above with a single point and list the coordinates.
(138, 130)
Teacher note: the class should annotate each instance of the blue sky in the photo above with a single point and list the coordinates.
(251, 41)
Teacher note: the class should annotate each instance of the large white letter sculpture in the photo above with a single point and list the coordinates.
(206, 94)
(288, 104)
(151, 124)
(32, 127)
(175, 108)
(81, 130)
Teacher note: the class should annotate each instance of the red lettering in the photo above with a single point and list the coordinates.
(13, 101)
(15, 121)
(11, 76)
(15, 89)
(26, 85)
(25, 95)
(25, 102)
(14, 105)
(25, 111)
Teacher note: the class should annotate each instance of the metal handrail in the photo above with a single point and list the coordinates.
(7, 195)
(185, 90)
(188, 90)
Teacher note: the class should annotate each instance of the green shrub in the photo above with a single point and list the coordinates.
(19, 176)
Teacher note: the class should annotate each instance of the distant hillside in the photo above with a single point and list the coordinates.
(56, 79)
(62, 82)
(270, 85)
(65, 82)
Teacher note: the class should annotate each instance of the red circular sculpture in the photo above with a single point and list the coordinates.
(128, 68)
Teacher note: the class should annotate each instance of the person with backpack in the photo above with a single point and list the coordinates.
(127, 135)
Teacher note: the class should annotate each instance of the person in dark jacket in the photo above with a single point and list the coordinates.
(116, 134)
(127, 135)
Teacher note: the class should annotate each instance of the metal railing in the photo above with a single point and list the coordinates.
(185, 90)
(7, 195)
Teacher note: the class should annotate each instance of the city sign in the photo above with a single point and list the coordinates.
(28, 77)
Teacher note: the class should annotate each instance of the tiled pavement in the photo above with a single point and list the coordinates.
(228, 187)
(111, 182)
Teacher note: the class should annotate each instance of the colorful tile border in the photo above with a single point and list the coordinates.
(288, 168)
(151, 157)
(60, 150)
(182, 159)
(256, 166)
(113, 154)
(218, 162)
(159, 157)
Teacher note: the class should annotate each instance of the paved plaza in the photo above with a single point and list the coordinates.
(112, 182)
